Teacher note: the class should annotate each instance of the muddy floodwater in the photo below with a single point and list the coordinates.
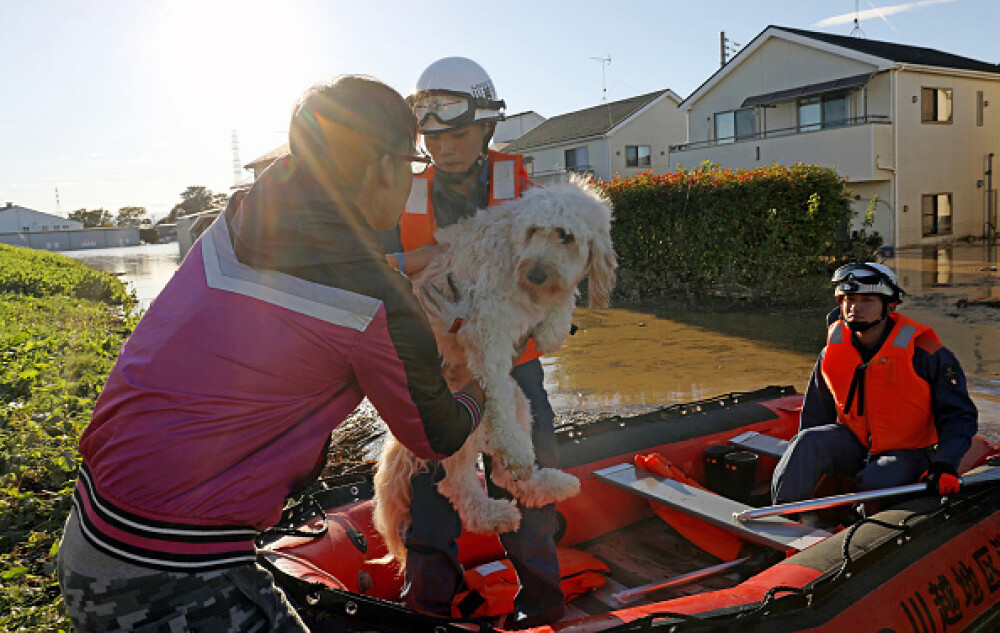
(631, 357)
(634, 357)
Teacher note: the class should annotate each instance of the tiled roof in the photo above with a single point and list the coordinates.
(269, 157)
(583, 123)
(899, 52)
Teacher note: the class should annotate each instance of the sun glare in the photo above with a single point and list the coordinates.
(240, 57)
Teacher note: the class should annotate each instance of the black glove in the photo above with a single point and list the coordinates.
(941, 478)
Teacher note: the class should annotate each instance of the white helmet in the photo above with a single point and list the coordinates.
(866, 279)
(452, 93)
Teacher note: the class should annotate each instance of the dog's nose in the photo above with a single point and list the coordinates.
(537, 276)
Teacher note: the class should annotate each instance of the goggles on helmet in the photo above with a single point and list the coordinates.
(863, 279)
(450, 109)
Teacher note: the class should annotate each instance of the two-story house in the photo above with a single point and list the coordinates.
(621, 137)
(912, 128)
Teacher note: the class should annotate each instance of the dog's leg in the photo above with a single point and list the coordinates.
(546, 485)
(480, 513)
(551, 332)
(391, 507)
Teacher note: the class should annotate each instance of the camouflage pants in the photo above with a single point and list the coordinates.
(239, 599)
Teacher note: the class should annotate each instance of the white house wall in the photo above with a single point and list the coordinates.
(660, 126)
(946, 158)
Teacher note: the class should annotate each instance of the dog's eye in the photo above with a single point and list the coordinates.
(531, 233)
(567, 238)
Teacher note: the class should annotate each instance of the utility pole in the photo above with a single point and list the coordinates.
(727, 47)
(605, 62)
(237, 167)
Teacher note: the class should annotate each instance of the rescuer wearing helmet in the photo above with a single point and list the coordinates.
(457, 109)
(886, 404)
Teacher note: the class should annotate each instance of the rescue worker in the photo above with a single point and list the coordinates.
(457, 109)
(280, 320)
(886, 404)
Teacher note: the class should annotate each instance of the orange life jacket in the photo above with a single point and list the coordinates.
(890, 407)
(417, 225)
(714, 540)
(492, 586)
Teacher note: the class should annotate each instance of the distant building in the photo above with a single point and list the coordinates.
(20, 226)
(15, 219)
(624, 137)
(514, 127)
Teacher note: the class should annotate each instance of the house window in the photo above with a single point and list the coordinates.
(980, 104)
(936, 214)
(935, 105)
(638, 156)
(577, 159)
(735, 125)
(826, 111)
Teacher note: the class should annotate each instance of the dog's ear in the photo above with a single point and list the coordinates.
(602, 271)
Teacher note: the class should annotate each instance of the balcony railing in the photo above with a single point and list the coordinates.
(785, 131)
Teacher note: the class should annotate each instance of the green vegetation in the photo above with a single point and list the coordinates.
(770, 235)
(61, 326)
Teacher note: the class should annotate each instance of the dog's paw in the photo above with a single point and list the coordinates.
(501, 516)
(550, 485)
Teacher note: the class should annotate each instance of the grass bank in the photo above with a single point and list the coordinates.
(61, 326)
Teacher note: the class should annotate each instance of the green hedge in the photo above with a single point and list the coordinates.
(38, 273)
(61, 326)
(767, 235)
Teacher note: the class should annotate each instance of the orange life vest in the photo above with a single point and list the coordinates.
(890, 408)
(493, 585)
(714, 540)
(417, 225)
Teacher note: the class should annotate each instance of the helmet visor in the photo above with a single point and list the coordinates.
(863, 279)
(451, 109)
(441, 110)
(857, 272)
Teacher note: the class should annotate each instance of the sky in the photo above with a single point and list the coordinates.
(113, 103)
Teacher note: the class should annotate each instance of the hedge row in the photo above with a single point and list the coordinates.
(767, 235)
(61, 326)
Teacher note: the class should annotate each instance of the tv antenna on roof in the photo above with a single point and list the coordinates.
(856, 31)
(605, 62)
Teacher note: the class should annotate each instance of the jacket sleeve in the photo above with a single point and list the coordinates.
(818, 406)
(398, 368)
(955, 415)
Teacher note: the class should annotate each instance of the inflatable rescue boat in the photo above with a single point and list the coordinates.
(672, 532)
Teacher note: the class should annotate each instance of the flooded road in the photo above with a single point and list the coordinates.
(636, 357)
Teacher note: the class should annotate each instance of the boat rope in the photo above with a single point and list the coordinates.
(845, 568)
(725, 622)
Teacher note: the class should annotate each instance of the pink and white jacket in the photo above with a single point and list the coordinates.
(223, 398)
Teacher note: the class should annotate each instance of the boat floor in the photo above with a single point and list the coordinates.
(646, 552)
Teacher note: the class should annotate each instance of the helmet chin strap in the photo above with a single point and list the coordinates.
(864, 326)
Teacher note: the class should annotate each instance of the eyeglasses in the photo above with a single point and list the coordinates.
(419, 162)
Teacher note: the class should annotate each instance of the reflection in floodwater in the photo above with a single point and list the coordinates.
(146, 269)
(643, 356)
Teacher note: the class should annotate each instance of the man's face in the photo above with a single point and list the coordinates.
(860, 308)
(455, 151)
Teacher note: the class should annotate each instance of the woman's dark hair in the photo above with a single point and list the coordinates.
(338, 128)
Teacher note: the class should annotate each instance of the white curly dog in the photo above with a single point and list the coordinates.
(523, 261)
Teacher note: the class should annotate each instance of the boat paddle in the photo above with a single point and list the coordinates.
(624, 597)
(980, 476)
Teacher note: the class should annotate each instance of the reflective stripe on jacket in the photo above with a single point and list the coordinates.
(884, 402)
(508, 180)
